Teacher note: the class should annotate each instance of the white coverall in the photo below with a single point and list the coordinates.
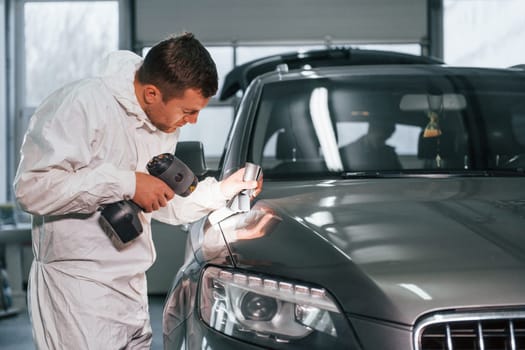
(81, 150)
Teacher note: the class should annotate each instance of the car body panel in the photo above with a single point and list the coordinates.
(395, 250)
(407, 247)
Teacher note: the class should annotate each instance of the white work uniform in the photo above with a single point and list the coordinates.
(81, 151)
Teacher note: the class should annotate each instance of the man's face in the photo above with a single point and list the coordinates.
(176, 112)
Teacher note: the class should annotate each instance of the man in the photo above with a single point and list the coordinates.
(370, 151)
(87, 145)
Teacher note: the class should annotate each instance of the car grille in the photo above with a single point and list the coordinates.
(472, 331)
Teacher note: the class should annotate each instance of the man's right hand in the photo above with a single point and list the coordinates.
(151, 193)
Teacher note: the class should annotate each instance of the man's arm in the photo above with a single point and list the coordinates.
(208, 196)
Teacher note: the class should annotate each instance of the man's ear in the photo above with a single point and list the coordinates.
(151, 94)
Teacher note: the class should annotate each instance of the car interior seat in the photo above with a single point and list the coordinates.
(504, 147)
(294, 158)
(297, 146)
(370, 152)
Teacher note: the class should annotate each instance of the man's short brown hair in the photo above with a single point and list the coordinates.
(177, 64)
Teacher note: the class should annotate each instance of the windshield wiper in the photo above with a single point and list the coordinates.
(506, 172)
(431, 173)
(369, 174)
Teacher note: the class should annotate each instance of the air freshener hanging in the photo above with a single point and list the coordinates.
(432, 129)
(435, 106)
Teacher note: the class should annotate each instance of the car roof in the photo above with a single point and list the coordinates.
(391, 70)
(240, 77)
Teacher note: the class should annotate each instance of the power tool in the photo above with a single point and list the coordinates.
(122, 218)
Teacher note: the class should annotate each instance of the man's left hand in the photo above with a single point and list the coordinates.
(234, 184)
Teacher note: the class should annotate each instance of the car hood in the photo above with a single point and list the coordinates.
(391, 249)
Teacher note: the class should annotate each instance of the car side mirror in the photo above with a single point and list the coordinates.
(192, 153)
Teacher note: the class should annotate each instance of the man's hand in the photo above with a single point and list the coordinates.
(234, 184)
(151, 193)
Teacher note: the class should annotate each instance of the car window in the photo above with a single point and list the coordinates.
(518, 124)
(389, 123)
(404, 139)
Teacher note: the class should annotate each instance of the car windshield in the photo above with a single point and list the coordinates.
(392, 124)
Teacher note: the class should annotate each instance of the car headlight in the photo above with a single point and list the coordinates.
(268, 311)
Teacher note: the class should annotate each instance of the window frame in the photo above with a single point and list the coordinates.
(17, 112)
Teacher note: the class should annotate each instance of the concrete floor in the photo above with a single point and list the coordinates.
(15, 331)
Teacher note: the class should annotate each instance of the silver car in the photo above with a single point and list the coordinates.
(392, 215)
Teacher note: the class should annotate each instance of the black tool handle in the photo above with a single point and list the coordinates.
(122, 217)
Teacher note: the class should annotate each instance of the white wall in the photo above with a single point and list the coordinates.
(251, 21)
(485, 33)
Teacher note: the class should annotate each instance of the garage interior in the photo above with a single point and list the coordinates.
(46, 44)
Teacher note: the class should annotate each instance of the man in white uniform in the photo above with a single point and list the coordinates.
(87, 145)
